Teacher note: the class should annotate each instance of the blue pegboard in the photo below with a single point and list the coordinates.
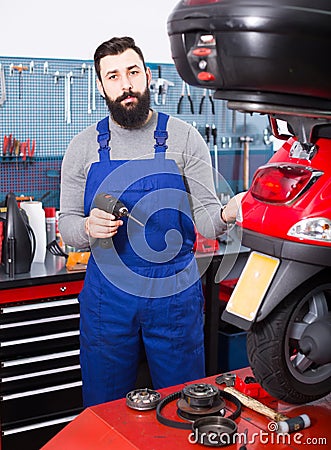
(35, 109)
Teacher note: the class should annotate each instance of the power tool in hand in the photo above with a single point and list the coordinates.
(112, 205)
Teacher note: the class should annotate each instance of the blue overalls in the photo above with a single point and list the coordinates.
(146, 286)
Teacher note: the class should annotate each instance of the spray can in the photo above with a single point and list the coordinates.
(50, 224)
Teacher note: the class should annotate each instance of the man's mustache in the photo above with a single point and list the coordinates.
(126, 95)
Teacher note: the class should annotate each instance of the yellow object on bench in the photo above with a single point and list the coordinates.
(77, 260)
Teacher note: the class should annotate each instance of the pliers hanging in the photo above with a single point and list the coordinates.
(210, 96)
(159, 88)
(186, 87)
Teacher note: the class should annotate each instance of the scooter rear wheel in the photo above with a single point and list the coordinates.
(273, 345)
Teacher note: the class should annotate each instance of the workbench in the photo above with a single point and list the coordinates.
(114, 425)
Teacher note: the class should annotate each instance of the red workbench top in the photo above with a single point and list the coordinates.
(115, 426)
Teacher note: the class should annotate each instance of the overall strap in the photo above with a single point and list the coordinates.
(161, 134)
(103, 138)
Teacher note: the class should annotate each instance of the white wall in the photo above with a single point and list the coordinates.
(73, 29)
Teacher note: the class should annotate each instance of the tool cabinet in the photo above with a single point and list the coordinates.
(40, 379)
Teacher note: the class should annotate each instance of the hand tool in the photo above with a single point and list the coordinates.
(46, 68)
(67, 100)
(112, 205)
(3, 95)
(20, 68)
(16, 151)
(160, 88)
(210, 96)
(54, 248)
(31, 150)
(214, 134)
(6, 144)
(89, 83)
(186, 87)
(11, 146)
(23, 148)
(285, 424)
(93, 88)
(207, 134)
(246, 140)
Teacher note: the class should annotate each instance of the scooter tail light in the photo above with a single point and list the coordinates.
(281, 183)
(314, 229)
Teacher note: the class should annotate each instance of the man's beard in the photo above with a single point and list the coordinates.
(132, 115)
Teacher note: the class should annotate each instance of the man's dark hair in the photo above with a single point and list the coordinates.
(115, 46)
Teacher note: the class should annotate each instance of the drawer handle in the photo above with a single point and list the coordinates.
(42, 358)
(39, 321)
(40, 374)
(40, 305)
(41, 391)
(35, 426)
(40, 338)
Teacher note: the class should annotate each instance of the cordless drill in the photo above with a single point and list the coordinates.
(112, 205)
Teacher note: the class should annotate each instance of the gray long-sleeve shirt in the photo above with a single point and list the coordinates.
(185, 146)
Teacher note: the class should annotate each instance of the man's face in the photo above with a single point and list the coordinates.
(125, 86)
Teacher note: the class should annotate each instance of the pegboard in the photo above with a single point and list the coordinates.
(49, 101)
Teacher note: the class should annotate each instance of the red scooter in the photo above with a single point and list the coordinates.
(271, 57)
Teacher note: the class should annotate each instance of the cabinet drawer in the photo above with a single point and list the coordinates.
(42, 379)
(42, 291)
(25, 405)
(29, 329)
(29, 311)
(38, 346)
(35, 435)
(25, 366)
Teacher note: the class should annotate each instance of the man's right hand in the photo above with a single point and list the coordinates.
(100, 224)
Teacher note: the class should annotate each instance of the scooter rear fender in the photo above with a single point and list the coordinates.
(298, 263)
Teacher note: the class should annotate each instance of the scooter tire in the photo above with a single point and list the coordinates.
(271, 347)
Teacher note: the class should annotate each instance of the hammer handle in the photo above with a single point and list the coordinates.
(255, 405)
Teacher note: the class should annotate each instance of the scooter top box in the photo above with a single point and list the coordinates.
(264, 51)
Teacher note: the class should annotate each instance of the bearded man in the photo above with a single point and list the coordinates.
(144, 288)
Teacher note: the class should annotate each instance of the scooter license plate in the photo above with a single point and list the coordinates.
(252, 285)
